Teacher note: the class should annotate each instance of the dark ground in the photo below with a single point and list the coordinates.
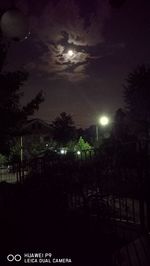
(34, 218)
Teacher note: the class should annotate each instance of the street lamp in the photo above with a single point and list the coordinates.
(104, 122)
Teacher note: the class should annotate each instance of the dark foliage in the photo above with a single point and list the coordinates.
(120, 125)
(12, 114)
(137, 93)
(137, 98)
(63, 129)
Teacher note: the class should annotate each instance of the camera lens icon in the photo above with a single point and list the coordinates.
(12, 257)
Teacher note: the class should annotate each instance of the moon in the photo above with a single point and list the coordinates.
(70, 53)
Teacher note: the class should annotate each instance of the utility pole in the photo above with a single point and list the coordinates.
(21, 149)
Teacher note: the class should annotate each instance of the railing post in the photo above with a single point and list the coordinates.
(142, 216)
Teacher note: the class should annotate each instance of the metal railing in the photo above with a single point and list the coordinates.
(105, 185)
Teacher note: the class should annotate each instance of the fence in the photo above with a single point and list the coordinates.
(14, 173)
(110, 185)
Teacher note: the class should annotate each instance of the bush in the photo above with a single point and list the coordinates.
(3, 160)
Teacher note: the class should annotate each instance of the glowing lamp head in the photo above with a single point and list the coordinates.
(104, 121)
(78, 152)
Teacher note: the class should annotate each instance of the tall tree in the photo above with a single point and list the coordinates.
(120, 127)
(63, 129)
(137, 97)
(12, 114)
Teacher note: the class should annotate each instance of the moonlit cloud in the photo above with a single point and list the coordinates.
(60, 28)
(57, 27)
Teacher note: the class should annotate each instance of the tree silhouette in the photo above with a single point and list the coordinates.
(12, 115)
(63, 129)
(137, 97)
(119, 128)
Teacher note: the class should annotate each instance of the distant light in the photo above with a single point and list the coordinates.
(70, 53)
(104, 120)
(78, 152)
(63, 151)
(46, 145)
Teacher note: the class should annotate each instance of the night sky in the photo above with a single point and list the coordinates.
(107, 44)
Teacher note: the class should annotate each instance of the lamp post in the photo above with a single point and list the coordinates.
(103, 122)
(97, 135)
(21, 149)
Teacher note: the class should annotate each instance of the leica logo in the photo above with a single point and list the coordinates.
(12, 257)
